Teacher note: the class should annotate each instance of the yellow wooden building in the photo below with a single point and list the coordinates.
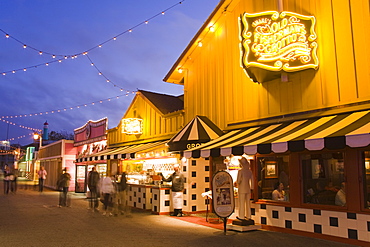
(288, 81)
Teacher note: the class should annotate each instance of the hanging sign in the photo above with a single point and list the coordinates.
(276, 41)
(132, 126)
(223, 194)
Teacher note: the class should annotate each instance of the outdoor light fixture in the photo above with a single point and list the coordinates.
(37, 136)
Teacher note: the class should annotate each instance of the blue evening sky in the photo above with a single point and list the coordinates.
(135, 60)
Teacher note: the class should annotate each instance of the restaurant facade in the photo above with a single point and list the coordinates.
(287, 81)
(89, 139)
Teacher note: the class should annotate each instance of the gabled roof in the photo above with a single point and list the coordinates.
(165, 103)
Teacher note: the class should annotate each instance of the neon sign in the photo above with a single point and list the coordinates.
(276, 41)
(132, 126)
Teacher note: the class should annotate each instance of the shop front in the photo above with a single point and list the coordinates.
(89, 140)
(285, 81)
(138, 147)
(54, 157)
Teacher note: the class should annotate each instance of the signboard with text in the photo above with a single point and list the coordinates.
(132, 126)
(223, 194)
(276, 42)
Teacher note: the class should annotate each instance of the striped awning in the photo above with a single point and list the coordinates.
(126, 152)
(199, 130)
(331, 132)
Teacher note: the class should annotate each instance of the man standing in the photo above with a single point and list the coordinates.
(244, 183)
(177, 189)
(42, 176)
(92, 182)
(63, 183)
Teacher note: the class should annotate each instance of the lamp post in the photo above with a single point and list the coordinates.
(38, 136)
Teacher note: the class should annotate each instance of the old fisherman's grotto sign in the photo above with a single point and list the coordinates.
(272, 42)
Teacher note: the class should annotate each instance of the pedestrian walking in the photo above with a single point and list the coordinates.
(13, 180)
(93, 183)
(122, 205)
(6, 180)
(107, 190)
(42, 176)
(63, 186)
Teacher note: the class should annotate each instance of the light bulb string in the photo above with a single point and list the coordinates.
(40, 51)
(63, 109)
(19, 125)
(102, 74)
(14, 138)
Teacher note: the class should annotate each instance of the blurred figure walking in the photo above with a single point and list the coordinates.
(63, 185)
(6, 180)
(107, 190)
(93, 183)
(42, 176)
(121, 205)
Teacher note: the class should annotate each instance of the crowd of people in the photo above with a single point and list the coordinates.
(111, 191)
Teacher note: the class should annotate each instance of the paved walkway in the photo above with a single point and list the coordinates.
(30, 218)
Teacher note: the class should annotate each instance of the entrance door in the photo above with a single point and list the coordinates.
(81, 172)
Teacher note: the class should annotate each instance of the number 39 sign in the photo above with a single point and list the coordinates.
(223, 194)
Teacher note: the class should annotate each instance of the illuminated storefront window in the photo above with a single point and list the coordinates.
(273, 178)
(323, 178)
(366, 176)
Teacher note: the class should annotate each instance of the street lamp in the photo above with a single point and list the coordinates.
(37, 136)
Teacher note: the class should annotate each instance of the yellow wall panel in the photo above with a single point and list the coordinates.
(361, 38)
(344, 51)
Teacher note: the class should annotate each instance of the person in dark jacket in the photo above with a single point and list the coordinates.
(7, 177)
(63, 184)
(177, 189)
(122, 204)
(93, 179)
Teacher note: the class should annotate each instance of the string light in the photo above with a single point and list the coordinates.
(4, 118)
(20, 126)
(101, 74)
(66, 56)
(19, 137)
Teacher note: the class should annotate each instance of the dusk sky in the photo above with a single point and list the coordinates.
(33, 83)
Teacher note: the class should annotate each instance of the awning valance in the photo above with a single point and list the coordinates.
(199, 130)
(331, 132)
(125, 152)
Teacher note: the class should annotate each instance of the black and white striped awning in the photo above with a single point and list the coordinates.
(199, 130)
(331, 132)
(126, 152)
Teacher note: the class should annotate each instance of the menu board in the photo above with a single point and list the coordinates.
(223, 194)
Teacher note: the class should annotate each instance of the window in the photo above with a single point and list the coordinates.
(323, 179)
(273, 178)
(366, 172)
